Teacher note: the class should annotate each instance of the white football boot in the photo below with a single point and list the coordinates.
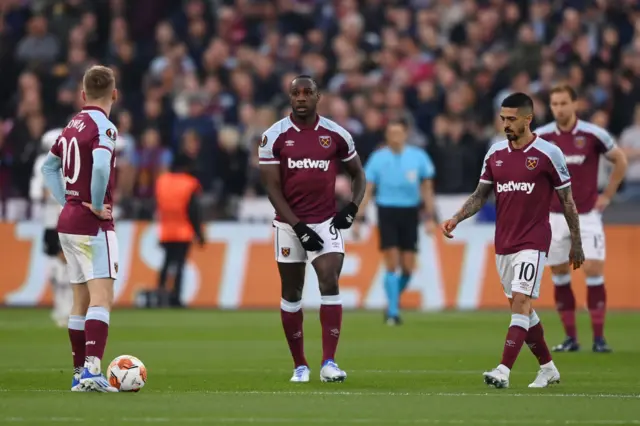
(301, 374)
(547, 375)
(75, 384)
(498, 377)
(330, 372)
(95, 382)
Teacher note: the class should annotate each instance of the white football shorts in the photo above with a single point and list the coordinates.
(289, 248)
(521, 272)
(591, 231)
(90, 257)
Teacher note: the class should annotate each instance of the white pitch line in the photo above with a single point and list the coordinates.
(271, 370)
(269, 420)
(359, 393)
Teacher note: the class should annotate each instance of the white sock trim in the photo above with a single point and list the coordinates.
(93, 364)
(519, 320)
(561, 279)
(504, 369)
(594, 281)
(98, 313)
(533, 319)
(550, 364)
(76, 322)
(290, 306)
(331, 300)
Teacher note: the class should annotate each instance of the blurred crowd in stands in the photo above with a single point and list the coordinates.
(205, 77)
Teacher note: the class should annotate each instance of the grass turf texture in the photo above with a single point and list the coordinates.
(211, 367)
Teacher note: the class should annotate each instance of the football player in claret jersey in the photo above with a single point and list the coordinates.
(582, 144)
(299, 160)
(523, 171)
(79, 172)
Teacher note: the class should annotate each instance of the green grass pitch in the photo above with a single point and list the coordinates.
(232, 368)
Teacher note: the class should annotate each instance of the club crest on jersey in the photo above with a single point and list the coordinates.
(111, 134)
(285, 251)
(115, 267)
(580, 141)
(263, 142)
(325, 141)
(532, 162)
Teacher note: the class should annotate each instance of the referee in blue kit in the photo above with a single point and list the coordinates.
(399, 176)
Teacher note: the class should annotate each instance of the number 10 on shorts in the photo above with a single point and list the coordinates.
(521, 272)
(527, 271)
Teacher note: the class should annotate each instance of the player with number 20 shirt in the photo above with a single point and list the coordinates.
(524, 172)
(80, 171)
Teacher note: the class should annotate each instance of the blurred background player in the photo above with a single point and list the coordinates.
(85, 154)
(399, 176)
(50, 211)
(180, 222)
(58, 277)
(582, 143)
(524, 171)
(299, 160)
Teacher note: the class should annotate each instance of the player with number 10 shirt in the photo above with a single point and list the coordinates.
(80, 172)
(525, 172)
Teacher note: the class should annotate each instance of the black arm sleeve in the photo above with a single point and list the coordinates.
(195, 215)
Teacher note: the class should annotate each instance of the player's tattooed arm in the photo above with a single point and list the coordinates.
(358, 179)
(270, 175)
(570, 213)
(475, 202)
(576, 254)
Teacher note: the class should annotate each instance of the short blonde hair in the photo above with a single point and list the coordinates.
(98, 82)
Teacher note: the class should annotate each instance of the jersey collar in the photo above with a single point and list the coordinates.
(525, 148)
(299, 126)
(94, 108)
(573, 130)
(398, 153)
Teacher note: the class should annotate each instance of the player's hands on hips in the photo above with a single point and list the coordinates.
(602, 202)
(576, 255)
(310, 240)
(345, 217)
(430, 226)
(104, 214)
(448, 226)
